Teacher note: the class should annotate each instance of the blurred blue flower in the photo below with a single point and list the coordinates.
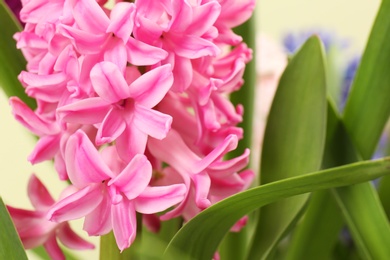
(292, 41)
(349, 75)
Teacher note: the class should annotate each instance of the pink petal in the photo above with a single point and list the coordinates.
(181, 16)
(202, 187)
(38, 194)
(239, 224)
(235, 12)
(229, 144)
(71, 240)
(159, 198)
(204, 17)
(152, 86)
(136, 53)
(174, 151)
(229, 185)
(147, 30)
(247, 176)
(122, 20)
(131, 142)
(111, 128)
(208, 117)
(108, 82)
(90, 16)
(152, 122)
(30, 120)
(83, 161)
(53, 249)
(134, 178)
(26, 39)
(85, 42)
(51, 80)
(47, 63)
(124, 223)
(185, 178)
(229, 166)
(31, 226)
(182, 73)
(59, 166)
(76, 205)
(86, 111)
(98, 222)
(227, 36)
(45, 149)
(116, 53)
(192, 47)
(33, 11)
(20, 216)
(234, 115)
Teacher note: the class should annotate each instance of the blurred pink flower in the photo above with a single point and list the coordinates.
(271, 62)
(35, 230)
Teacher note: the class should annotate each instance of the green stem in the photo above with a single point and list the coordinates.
(245, 95)
(234, 245)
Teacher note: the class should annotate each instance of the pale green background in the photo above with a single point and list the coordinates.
(348, 18)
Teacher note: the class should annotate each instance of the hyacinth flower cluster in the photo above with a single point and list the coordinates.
(133, 108)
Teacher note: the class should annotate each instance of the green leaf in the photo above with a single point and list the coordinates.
(384, 194)
(319, 230)
(368, 106)
(200, 237)
(294, 140)
(366, 113)
(317, 234)
(10, 244)
(11, 59)
(366, 220)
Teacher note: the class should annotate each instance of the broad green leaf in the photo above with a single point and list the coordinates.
(10, 245)
(317, 234)
(200, 237)
(12, 61)
(335, 73)
(293, 142)
(368, 107)
(319, 230)
(366, 220)
(366, 113)
(384, 194)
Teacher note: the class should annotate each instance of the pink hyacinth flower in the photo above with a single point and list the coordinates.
(35, 230)
(109, 200)
(124, 111)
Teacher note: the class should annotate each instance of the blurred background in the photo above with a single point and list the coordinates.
(350, 20)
